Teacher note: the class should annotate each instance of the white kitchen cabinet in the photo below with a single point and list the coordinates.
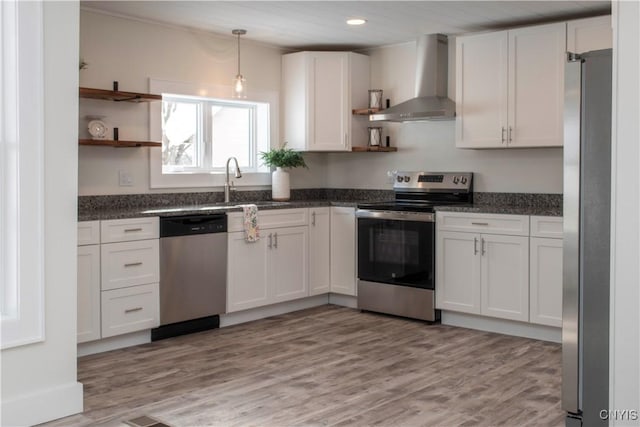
(320, 89)
(482, 264)
(545, 281)
(458, 272)
(130, 309)
(343, 250)
(88, 292)
(584, 35)
(273, 269)
(510, 88)
(129, 229)
(127, 264)
(319, 251)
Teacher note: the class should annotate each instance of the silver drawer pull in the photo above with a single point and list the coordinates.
(275, 240)
(479, 223)
(131, 230)
(133, 264)
(132, 310)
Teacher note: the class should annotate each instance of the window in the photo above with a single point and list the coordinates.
(200, 134)
(201, 127)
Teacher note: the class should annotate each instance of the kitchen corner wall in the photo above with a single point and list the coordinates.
(430, 146)
(132, 51)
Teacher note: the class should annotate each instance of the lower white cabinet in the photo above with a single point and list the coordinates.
(319, 250)
(343, 250)
(88, 293)
(545, 283)
(273, 269)
(484, 274)
(130, 309)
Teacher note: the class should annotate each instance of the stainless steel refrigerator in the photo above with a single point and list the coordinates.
(587, 205)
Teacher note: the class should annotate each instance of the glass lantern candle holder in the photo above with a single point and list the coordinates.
(375, 99)
(375, 136)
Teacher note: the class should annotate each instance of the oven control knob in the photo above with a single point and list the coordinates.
(456, 179)
(399, 178)
(463, 180)
(407, 178)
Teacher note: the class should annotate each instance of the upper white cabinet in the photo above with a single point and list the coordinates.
(319, 91)
(510, 88)
(584, 35)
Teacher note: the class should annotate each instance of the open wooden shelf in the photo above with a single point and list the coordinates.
(374, 148)
(112, 143)
(118, 96)
(364, 111)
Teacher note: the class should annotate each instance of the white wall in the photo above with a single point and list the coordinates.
(430, 146)
(131, 52)
(625, 239)
(39, 380)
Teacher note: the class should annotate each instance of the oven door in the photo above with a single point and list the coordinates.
(396, 248)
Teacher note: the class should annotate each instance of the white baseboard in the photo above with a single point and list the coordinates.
(236, 318)
(501, 326)
(343, 300)
(45, 405)
(114, 343)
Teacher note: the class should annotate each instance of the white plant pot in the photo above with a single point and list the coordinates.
(280, 188)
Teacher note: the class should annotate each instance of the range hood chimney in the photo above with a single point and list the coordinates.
(431, 101)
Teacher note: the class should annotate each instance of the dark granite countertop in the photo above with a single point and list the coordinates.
(504, 209)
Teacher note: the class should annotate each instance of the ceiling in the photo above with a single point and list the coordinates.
(316, 24)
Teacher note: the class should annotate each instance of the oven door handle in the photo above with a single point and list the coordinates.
(396, 215)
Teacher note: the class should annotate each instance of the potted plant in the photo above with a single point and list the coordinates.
(281, 158)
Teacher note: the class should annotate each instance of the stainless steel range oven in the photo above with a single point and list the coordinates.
(396, 243)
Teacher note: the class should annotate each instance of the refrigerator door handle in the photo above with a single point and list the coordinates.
(571, 399)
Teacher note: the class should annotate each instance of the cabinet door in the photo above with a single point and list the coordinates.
(288, 264)
(505, 276)
(545, 287)
(481, 90)
(343, 250)
(536, 86)
(458, 271)
(130, 309)
(247, 273)
(130, 263)
(88, 293)
(319, 250)
(329, 103)
(584, 35)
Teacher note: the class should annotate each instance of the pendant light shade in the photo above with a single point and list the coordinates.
(239, 82)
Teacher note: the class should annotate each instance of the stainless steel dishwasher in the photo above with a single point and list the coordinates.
(193, 274)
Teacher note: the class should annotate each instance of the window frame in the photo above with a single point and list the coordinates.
(261, 175)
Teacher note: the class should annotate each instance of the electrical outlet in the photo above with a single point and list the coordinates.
(125, 178)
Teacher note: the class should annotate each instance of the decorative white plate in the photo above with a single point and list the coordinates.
(98, 129)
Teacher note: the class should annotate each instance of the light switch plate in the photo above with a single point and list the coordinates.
(125, 178)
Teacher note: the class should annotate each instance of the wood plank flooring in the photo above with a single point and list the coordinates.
(326, 366)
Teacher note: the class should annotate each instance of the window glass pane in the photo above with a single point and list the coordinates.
(179, 134)
(231, 135)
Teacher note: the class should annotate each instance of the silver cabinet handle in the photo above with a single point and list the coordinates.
(479, 223)
(503, 130)
(483, 248)
(131, 230)
(133, 264)
(510, 134)
(475, 246)
(132, 310)
(313, 219)
(270, 245)
(275, 240)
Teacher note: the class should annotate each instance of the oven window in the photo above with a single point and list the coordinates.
(396, 252)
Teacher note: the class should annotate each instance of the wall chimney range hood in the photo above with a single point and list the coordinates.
(431, 101)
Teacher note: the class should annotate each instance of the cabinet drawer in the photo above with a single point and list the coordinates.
(125, 230)
(88, 233)
(515, 225)
(546, 226)
(270, 219)
(131, 309)
(129, 264)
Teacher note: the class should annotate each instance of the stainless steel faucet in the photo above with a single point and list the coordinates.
(227, 186)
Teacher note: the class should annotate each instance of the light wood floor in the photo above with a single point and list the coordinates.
(326, 366)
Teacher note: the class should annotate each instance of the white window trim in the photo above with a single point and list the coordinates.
(216, 179)
(21, 173)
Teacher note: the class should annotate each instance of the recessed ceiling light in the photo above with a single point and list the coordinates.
(356, 21)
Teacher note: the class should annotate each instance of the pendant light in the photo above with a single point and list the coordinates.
(239, 83)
